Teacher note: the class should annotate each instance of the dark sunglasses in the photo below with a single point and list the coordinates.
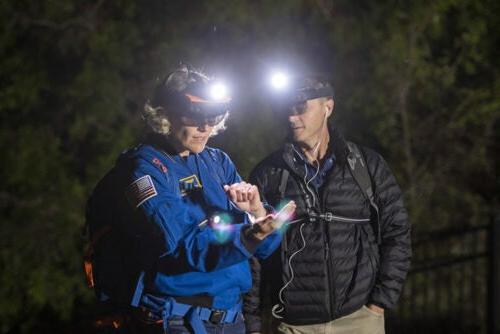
(297, 108)
(199, 121)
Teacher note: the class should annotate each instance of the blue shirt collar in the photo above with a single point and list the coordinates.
(327, 164)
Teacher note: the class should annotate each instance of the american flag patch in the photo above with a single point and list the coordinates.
(140, 191)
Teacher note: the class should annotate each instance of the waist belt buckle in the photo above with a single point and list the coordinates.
(217, 316)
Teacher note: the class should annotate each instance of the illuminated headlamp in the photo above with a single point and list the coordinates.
(198, 100)
(292, 90)
(207, 92)
(218, 92)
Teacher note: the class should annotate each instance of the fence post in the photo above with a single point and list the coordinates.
(494, 277)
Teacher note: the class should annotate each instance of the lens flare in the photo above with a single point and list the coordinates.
(284, 215)
(221, 224)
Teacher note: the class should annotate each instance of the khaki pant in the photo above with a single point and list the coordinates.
(363, 321)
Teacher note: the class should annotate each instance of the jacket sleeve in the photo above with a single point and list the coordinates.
(395, 247)
(152, 194)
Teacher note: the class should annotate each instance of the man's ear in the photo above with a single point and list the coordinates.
(329, 105)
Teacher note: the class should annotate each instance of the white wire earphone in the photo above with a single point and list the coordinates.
(278, 308)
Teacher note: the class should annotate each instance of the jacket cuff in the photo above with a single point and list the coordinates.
(372, 302)
(376, 298)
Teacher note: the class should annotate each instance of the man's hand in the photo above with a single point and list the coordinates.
(375, 308)
(246, 197)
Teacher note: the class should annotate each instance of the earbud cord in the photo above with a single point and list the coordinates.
(278, 308)
(316, 160)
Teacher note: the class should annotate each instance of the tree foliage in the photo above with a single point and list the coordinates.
(430, 77)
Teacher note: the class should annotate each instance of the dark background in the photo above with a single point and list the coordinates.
(416, 80)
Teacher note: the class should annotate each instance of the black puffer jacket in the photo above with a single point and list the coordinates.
(341, 267)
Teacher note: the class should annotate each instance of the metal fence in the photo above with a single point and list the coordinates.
(453, 284)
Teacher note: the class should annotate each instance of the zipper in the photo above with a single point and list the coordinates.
(329, 256)
(329, 269)
(319, 205)
(326, 239)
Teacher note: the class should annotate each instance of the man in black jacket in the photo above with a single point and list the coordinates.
(344, 258)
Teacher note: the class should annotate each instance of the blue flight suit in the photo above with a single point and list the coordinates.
(177, 197)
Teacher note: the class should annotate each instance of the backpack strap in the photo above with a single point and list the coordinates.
(359, 170)
(89, 252)
(283, 181)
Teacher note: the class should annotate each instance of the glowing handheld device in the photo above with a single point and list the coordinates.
(283, 215)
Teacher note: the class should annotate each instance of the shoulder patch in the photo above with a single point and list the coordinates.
(140, 191)
(160, 165)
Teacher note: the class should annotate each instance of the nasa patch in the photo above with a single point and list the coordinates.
(189, 184)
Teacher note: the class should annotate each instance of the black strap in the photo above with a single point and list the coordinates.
(198, 300)
(283, 181)
(359, 171)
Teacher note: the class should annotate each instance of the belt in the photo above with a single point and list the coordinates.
(197, 314)
(198, 300)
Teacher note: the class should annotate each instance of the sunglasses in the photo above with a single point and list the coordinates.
(297, 108)
(199, 121)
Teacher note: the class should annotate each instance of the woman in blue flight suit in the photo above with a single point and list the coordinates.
(189, 212)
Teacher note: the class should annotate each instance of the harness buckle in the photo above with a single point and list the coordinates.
(328, 216)
(217, 316)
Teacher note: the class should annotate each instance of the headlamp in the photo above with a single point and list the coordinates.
(291, 90)
(200, 99)
(218, 91)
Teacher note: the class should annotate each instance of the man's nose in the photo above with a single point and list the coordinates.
(293, 118)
